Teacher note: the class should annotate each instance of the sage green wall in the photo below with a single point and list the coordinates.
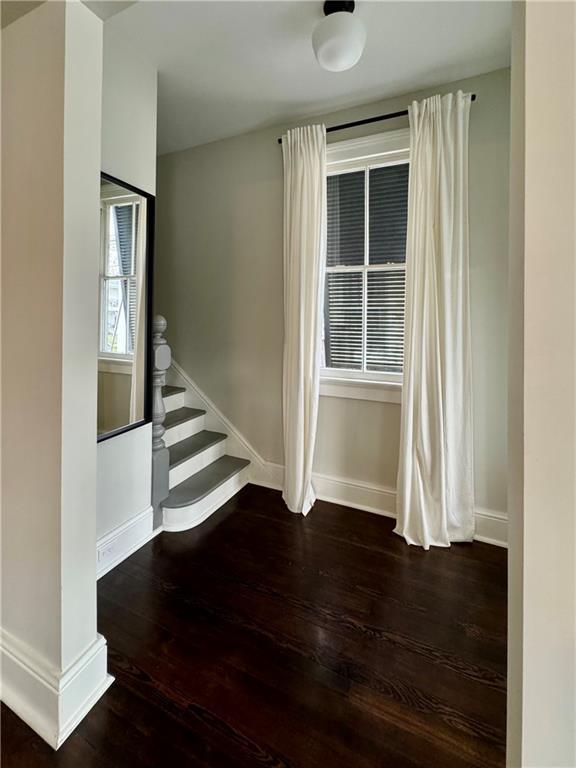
(219, 284)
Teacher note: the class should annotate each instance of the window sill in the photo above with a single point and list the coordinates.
(359, 389)
(115, 365)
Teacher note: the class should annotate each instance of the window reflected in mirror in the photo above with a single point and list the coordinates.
(123, 334)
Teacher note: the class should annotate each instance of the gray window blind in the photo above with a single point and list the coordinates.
(365, 273)
(345, 237)
(388, 214)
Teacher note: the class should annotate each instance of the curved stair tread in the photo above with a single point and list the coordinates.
(191, 446)
(168, 390)
(205, 481)
(181, 415)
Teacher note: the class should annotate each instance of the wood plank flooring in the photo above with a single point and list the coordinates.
(262, 638)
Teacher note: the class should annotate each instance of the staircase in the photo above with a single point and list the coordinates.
(202, 476)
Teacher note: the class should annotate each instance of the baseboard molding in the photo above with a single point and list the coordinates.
(124, 540)
(491, 525)
(52, 703)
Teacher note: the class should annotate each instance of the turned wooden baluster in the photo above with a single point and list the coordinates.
(162, 358)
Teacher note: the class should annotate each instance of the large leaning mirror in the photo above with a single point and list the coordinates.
(124, 339)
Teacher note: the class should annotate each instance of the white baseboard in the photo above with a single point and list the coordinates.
(491, 525)
(353, 493)
(52, 703)
(184, 518)
(123, 540)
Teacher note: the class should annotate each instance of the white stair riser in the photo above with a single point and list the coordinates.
(173, 402)
(183, 518)
(182, 431)
(196, 463)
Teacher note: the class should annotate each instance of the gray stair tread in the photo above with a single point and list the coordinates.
(181, 415)
(191, 446)
(168, 390)
(198, 486)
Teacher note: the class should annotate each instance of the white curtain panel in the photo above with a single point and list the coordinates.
(304, 152)
(435, 489)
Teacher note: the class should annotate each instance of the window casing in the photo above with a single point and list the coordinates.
(120, 226)
(366, 255)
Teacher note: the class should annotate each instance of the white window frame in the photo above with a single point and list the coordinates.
(384, 149)
(117, 362)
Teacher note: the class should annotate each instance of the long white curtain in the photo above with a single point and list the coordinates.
(304, 152)
(435, 498)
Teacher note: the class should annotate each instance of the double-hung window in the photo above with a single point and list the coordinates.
(118, 282)
(367, 196)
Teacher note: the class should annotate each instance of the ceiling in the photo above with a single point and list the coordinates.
(230, 67)
(14, 9)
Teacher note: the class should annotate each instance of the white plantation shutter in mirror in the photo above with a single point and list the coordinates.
(365, 268)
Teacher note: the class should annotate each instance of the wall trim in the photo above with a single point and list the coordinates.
(360, 389)
(260, 471)
(124, 540)
(50, 701)
(491, 525)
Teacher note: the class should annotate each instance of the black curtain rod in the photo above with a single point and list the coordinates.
(367, 120)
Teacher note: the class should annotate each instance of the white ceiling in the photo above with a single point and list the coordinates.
(230, 67)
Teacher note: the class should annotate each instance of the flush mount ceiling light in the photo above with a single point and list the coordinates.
(338, 40)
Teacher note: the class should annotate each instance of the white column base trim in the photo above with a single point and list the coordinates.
(123, 540)
(184, 518)
(52, 703)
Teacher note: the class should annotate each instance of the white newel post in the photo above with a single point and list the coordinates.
(162, 357)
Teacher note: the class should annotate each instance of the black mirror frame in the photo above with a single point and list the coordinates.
(148, 361)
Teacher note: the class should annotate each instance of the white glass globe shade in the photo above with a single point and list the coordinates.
(338, 41)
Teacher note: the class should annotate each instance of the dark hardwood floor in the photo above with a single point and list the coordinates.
(266, 639)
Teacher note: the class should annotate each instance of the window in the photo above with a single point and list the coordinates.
(118, 284)
(367, 191)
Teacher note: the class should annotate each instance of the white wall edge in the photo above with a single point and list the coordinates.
(52, 703)
(124, 540)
